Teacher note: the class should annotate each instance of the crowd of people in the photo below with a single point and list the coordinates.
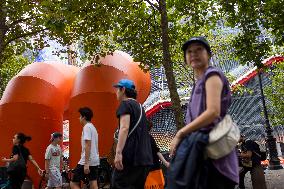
(136, 152)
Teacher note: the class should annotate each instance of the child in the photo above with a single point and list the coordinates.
(53, 159)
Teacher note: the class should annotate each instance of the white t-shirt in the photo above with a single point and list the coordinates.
(53, 154)
(90, 133)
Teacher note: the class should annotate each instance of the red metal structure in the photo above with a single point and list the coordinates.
(241, 81)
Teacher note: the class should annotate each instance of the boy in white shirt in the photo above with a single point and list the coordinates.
(87, 167)
(53, 162)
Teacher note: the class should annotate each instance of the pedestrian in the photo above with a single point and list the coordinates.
(208, 105)
(155, 177)
(87, 168)
(251, 162)
(54, 161)
(133, 156)
(17, 175)
(157, 155)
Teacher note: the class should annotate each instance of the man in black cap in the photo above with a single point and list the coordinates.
(251, 162)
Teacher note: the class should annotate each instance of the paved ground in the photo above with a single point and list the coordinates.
(274, 179)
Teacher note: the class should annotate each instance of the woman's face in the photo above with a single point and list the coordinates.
(197, 56)
(16, 140)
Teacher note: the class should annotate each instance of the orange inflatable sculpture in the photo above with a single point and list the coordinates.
(42, 95)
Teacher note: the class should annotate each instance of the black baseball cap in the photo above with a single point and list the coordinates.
(55, 135)
(198, 39)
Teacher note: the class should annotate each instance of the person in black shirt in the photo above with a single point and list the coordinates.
(157, 155)
(17, 178)
(251, 162)
(133, 157)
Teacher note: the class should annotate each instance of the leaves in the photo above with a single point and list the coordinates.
(260, 25)
(275, 94)
(10, 68)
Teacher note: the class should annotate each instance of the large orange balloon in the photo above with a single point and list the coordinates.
(33, 103)
(36, 100)
(94, 88)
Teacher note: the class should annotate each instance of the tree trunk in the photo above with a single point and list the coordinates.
(3, 30)
(167, 63)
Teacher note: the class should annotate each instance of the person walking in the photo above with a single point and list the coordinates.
(133, 156)
(157, 155)
(17, 176)
(251, 162)
(87, 167)
(208, 105)
(53, 162)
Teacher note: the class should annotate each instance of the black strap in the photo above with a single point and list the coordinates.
(115, 136)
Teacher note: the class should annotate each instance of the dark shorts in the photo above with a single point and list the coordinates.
(130, 178)
(79, 175)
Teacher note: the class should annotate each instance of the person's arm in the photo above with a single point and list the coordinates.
(87, 137)
(87, 152)
(35, 164)
(14, 158)
(213, 86)
(46, 165)
(164, 161)
(123, 133)
(62, 164)
(15, 152)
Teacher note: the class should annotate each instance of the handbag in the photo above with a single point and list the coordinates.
(223, 138)
(111, 155)
(18, 165)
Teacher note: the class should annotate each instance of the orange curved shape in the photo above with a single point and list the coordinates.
(33, 103)
(93, 87)
(36, 100)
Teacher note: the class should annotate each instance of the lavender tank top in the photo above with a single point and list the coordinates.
(228, 165)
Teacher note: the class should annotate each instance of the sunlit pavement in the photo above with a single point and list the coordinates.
(274, 179)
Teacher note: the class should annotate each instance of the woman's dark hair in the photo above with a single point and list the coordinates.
(86, 112)
(23, 138)
(130, 93)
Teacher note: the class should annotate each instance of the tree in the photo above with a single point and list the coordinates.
(275, 94)
(11, 67)
(19, 21)
(260, 27)
(27, 24)
(153, 32)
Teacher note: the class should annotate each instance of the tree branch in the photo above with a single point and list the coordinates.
(21, 20)
(24, 35)
(154, 6)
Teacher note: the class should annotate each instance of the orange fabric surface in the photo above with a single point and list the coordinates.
(155, 180)
(36, 100)
(93, 87)
(33, 103)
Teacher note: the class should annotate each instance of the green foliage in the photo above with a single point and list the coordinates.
(260, 24)
(275, 94)
(19, 21)
(25, 24)
(10, 68)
